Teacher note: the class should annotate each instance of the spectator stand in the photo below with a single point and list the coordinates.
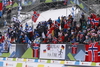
(73, 33)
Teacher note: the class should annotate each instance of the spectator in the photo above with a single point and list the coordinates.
(58, 20)
(62, 22)
(70, 31)
(82, 21)
(87, 40)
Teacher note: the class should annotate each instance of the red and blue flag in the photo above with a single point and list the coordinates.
(35, 50)
(92, 52)
(35, 16)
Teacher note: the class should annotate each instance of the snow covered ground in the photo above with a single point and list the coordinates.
(44, 16)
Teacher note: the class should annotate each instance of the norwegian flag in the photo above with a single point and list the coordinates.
(35, 50)
(96, 21)
(91, 21)
(35, 16)
(92, 52)
(74, 48)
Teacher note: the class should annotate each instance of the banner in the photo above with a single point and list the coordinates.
(52, 51)
(42, 65)
(9, 64)
(4, 47)
(13, 64)
(12, 50)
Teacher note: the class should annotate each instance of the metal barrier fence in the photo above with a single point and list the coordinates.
(51, 51)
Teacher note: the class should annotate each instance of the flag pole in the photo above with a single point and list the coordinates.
(32, 23)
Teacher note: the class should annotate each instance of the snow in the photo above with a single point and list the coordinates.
(53, 14)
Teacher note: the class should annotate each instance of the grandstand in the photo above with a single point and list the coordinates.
(66, 33)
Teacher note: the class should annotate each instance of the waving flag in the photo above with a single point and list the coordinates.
(35, 16)
(92, 52)
(96, 21)
(93, 21)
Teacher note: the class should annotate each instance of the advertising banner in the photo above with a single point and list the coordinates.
(13, 64)
(4, 47)
(52, 51)
(12, 50)
(80, 66)
(42, 65)
(9, 64)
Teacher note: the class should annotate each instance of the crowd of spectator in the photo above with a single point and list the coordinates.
(62, 30)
